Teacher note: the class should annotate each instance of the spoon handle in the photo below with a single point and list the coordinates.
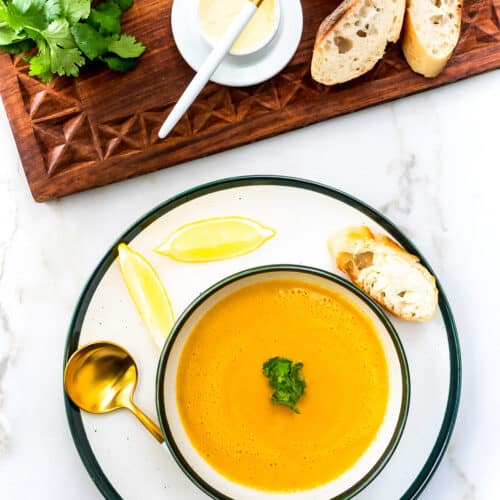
(208, 68)
(147, 422)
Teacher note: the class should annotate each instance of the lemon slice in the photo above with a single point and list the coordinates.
(213, 239)
(147, 292)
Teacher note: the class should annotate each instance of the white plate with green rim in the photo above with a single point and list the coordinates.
(123, 460)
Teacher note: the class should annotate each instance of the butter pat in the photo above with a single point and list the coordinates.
(217, 15)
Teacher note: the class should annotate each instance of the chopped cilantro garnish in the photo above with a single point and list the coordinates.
(286, 379)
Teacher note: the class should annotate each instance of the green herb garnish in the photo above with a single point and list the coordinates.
(61, 36)
(286, 379)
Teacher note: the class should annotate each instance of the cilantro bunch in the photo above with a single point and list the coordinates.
(61, 36)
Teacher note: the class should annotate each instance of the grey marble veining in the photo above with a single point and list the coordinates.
(8, 222)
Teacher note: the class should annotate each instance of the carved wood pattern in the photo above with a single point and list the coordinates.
(77, 134)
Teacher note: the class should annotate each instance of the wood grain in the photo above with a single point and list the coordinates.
(74, 135)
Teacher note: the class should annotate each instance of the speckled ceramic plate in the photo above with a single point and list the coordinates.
(124, 460)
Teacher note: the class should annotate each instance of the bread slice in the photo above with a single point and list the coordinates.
(385, 271)
(353, 38)
(431, 32)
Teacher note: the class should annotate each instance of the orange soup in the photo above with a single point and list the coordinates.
(225, 401)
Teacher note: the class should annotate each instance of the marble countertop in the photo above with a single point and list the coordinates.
(429, 162)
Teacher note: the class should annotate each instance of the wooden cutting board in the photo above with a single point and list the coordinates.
(74, 135)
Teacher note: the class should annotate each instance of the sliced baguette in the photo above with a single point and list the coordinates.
(353, 38)
(431, 32)
(385, 271)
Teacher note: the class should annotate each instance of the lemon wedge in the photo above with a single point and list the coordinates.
(214, 239)
(147, 292)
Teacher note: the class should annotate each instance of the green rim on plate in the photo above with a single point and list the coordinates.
(167, 349)
(74, 415)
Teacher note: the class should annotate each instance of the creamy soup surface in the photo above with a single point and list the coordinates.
(225, 401)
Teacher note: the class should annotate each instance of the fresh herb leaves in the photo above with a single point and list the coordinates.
(286, 379)
(63, 55)
(67, 34)
(89, 40)
(126, 47)
(117, 63)
(106, 18)
(75, 10)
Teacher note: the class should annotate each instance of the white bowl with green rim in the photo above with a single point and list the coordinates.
(371, 462)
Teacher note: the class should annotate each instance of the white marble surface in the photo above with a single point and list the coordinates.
(430, 162)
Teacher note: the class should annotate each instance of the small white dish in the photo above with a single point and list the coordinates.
(256, 48)
(238, 70)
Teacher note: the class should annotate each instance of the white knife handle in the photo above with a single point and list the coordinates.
(208, 68)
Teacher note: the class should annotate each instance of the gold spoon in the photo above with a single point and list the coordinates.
(102, 377)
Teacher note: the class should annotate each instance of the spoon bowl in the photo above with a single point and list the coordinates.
(101, 378)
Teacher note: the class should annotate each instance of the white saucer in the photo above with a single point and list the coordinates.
(238, 71)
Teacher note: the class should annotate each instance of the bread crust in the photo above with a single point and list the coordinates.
(420, 59)
(330, 30)
(332, 20)
(355, 249)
